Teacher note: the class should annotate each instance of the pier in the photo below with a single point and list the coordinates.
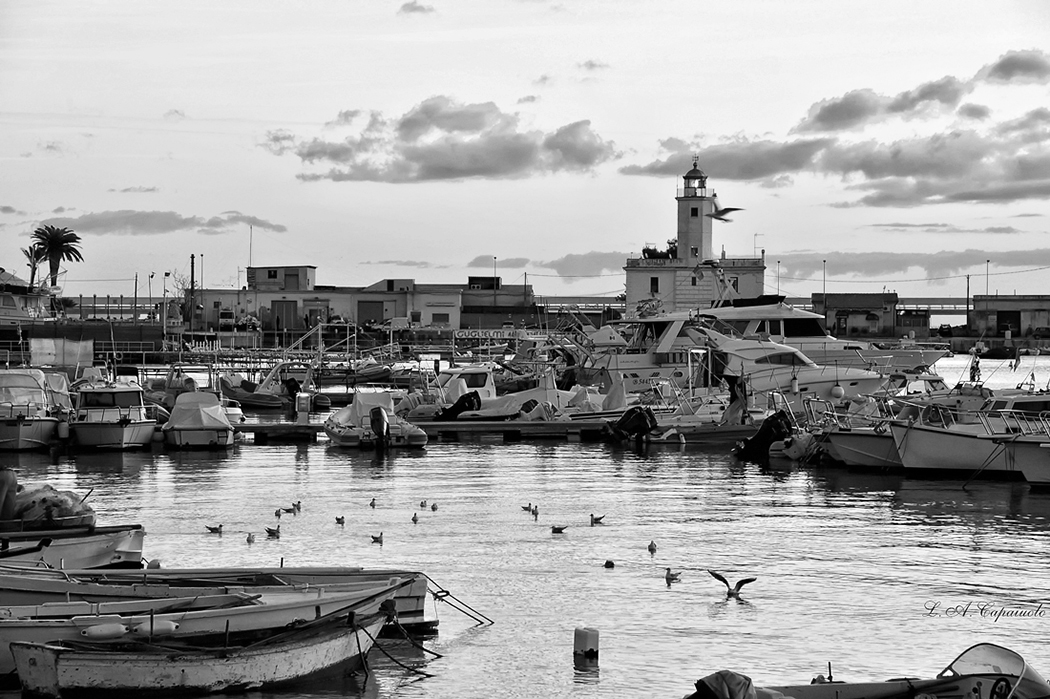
(506, 430)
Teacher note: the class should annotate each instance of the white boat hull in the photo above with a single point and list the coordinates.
(54, 671)
(105, 547)
(275, 611)
(199, 438)
(955, 451)
(1030, 454)
(864, 447)
(113, 435)
(21, 433)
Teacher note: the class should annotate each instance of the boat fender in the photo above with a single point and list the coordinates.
(104, 631)
(162, 627)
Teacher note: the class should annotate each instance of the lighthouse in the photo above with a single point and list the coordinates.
(687, 275)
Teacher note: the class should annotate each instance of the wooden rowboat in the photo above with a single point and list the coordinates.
(75, 547)
(79, 670)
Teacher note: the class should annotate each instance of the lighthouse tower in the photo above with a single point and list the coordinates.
(694, 224)
(686, 275)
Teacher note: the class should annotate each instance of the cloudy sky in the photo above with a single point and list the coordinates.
(896, 145)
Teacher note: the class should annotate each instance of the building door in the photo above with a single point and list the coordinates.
(369, 312)
(285, 315)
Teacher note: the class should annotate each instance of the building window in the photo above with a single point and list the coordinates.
(694, 281)
(271, 274)
(654, 285)
(439, 318)
(694, 212)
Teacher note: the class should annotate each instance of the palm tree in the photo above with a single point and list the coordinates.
(35, 255)
(57, 244)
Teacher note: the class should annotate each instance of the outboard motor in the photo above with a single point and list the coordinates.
(380, 423)
(756, 447)
(634, 423)
(466, 402)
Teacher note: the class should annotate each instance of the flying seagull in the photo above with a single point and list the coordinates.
(671, 577)
(720, 214)
(732, 592)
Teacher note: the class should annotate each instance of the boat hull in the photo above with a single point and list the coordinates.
(951, 452)
(55, 671)
(865, 448)
(135, 434)
(198, 438)
(98, 547)
(22, 433)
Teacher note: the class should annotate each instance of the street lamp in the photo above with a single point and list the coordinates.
(986, 263)
(824, 292)
(494, 287)
(164, 315)
(778, 277)
(149, 284)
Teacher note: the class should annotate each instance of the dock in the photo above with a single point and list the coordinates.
(506, 430)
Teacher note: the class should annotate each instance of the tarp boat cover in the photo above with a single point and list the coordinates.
(197, 411)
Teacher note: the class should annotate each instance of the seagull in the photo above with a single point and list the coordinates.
(535, 510)
(340, 520)
(527, 508)
(273, 533)
(298, 505)
(671, 577)
(214, 530)
(250, 538)
(720, 214)
(433, 507)
(372, 504)
(610, 564)
(652, 547)
(414, 518)
(596, 520)
(422, 504)
(290, 510)
(378, 539)
(557, 530)
(732, 592)
(277, 513)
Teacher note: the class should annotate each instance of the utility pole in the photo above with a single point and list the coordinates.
(967, 304)
(193, 291)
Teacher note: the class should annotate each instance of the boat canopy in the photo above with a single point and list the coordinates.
(197, 410)
(358, 412)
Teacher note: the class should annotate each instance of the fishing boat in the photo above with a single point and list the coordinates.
(259, 613)
(369, 422)
(23, 586)
(28, 419)
(77, 547)
(111, 415)
(340, 640)
(198, 421)
(982, 671)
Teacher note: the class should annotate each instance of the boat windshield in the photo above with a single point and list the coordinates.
(990, 659)
(20, 390)
(110, 399)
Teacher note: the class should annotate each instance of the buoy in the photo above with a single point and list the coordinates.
(163, 627)
(794, 384)
(585, 647)
(103, 631)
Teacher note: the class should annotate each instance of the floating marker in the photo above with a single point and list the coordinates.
(585, 647)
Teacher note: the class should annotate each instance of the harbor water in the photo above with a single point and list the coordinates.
(880, 575)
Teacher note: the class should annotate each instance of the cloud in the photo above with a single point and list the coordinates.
(174, 115)
(947, 91)
(1034, 123)
(135, 190)
(741, 159)
(975, 111)
(11, 210)
(485, 261)
(593, 65)
(414, 8)
(403, 263)
(527, 98)
(343, 118)
(130, 222)
(943, 228)
(1030, 66)
(810, 264)
(852, 109)
(588, 264)
(441, 139)
(544, 79)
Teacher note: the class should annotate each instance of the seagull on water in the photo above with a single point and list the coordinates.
(250, 538)
(214, 530)
(277, 513)
(273, 533)
(652, 547)
(415, 518)
(720, 214)
(378, 539)
(290, 510)
(732, 592)
(671, 577)
(596, 520)
(433, 507)
(558, 530)
(535, 510)
(340, 520)
(298, 505)
(422, 504)
(527, 508)
(610, 564)
(372, 504)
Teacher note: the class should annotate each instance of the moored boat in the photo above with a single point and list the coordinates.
(985, 671)
(370, 421)
(78, 547)
(111, 415)
(198, 421)
(279, 658)
(28, 420)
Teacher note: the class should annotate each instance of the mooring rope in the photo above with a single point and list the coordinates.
(443, 595)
